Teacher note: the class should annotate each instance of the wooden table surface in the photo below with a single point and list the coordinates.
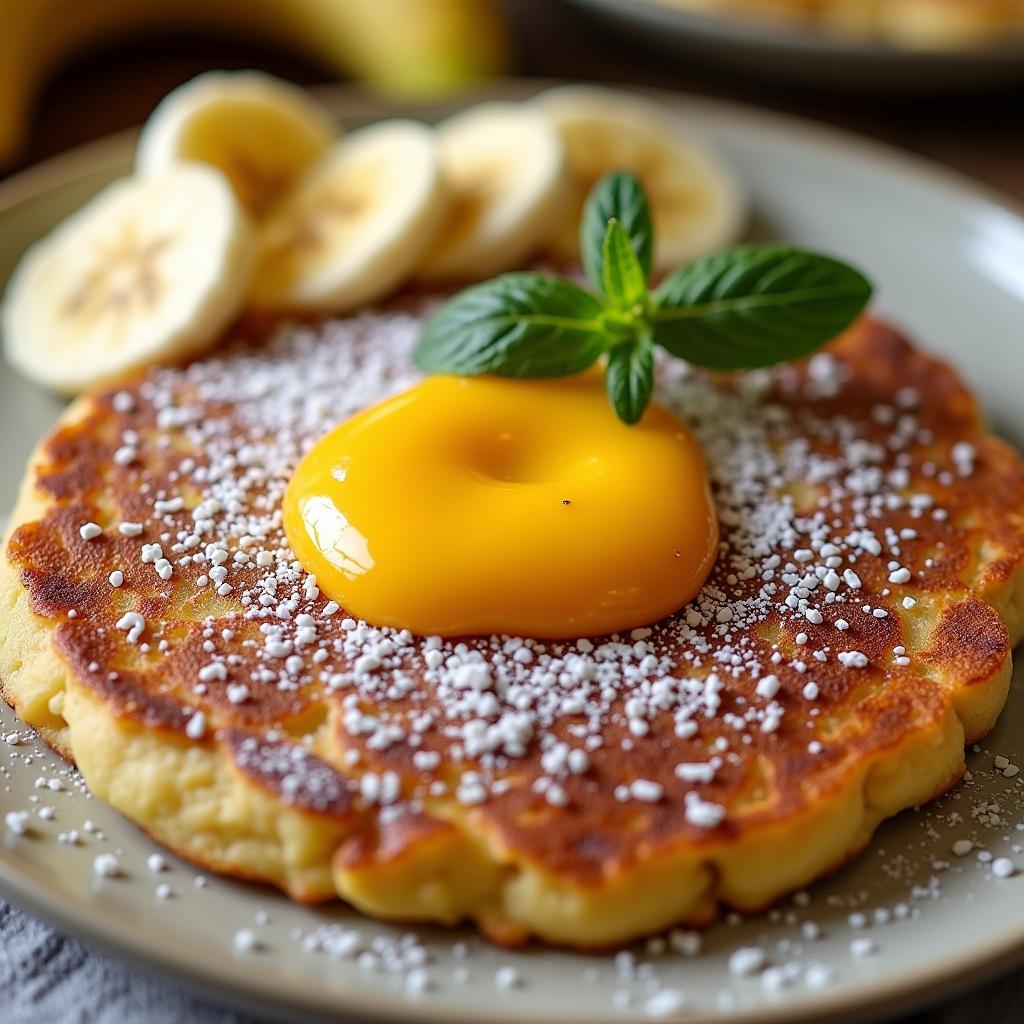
(980, 134)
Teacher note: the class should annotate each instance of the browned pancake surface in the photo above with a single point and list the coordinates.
(872, 448)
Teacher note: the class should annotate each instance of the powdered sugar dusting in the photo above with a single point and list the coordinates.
(818, 545)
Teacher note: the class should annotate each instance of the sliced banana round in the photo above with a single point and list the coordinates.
(356, 225)
(150, 270)
(504, 165)
(697, 202)
(260, 131)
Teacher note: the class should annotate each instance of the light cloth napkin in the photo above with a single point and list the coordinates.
(47, 978)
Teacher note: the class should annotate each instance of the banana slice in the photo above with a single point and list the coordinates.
(504, 165)
(697, 202)
(260, 131)
(357, 224)
(151, 270)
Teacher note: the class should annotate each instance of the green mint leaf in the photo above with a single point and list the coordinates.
(516, 325)
(629, 378)
(617, 196)
(755, 306)
(625, 284)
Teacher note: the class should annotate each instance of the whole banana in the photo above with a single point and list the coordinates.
(405, 48)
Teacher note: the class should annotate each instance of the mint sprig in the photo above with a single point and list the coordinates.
(516, 325)
(746, 307)
(629, 378)
(617, 196)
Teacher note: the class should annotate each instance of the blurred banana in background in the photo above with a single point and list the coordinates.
(416, 49)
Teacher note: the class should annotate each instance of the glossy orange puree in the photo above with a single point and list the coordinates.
(486, 505)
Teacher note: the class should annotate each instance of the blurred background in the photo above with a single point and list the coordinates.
(944, 78)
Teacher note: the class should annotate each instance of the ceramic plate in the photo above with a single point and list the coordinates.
(794, 53)
(950, 263)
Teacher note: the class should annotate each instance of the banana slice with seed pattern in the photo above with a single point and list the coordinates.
(151, 270)
(697, 203)
(356, 225)
(504, 164)
(260, 131)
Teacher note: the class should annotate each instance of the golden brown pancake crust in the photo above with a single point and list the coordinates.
(966, 577)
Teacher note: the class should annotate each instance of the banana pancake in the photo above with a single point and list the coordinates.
(853, 635)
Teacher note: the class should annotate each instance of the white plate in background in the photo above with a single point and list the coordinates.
(792, 52)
